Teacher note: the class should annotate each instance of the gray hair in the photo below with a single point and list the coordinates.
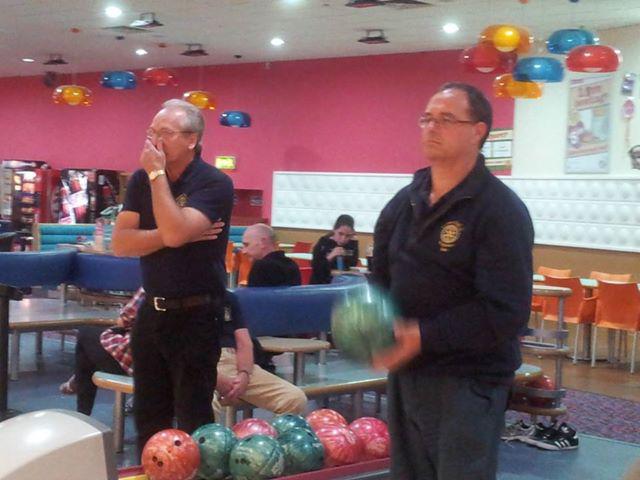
(263, 230)
(195, 120)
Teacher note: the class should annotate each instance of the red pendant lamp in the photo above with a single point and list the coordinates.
(593, 59)
(160, 76)
(481, 58)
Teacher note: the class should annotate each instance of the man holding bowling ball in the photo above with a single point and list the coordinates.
(454, 250)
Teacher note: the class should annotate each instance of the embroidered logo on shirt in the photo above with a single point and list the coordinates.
(182, 200)
(449, 235)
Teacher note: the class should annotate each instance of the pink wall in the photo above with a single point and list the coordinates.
(353, 114)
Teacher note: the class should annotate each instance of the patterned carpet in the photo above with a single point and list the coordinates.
(599, 415)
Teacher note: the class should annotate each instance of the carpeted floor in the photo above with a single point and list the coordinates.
(599, 415)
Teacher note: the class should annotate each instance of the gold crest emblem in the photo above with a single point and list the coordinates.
(181, 200)
(449, 235)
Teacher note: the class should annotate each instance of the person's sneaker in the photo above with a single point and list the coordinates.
(562, 438)
(540, 432)
(517, 431)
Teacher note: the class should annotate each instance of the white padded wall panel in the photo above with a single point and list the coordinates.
(595, 212)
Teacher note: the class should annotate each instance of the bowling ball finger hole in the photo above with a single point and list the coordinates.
(202, 440)
(177, 443)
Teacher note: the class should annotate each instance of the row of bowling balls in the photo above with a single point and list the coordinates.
(255, 449)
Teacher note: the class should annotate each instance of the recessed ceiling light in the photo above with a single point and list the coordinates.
(450, 28)
(28, 60)
(112, 12)
(277, 42)
(141, 51)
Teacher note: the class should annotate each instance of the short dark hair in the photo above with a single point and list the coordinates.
(344, 220)
(479, 107)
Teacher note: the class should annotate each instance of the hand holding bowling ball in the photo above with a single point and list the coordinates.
(254, 426)
(170, 455)
(362, 323)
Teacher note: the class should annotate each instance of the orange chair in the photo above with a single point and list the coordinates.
(610, 277)
(538, 302)
(577, 309)
(618, 308)
(231, 264)
(244, 267)
(305, 275)
(301, 247)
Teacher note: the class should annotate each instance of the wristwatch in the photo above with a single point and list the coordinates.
(153, 174)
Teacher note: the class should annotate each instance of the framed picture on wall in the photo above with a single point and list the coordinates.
(497, 151)
(589, 125)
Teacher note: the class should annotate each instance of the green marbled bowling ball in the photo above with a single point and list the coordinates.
(256, 457)
(362, 322)
(285, 422)
(303, 451)
(215, 443)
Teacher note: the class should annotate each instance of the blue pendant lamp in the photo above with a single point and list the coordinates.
(538, 69)
(234, 118)
(561, 41)
(119, 80)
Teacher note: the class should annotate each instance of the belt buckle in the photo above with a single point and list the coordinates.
(158, 307)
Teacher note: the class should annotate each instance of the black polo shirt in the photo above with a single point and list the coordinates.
(274, 270)
(194, 268)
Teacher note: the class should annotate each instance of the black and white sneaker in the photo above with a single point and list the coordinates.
(540, 432)
(564, 437)
(517, 431)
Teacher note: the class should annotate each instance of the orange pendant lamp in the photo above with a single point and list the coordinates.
(201, 99)
(73, 95)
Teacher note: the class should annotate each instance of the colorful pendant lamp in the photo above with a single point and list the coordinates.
(160, 77)
(482, 58)
(73, 95)
(507, 38)
(593, 59)
(119, 80)
(562, 41)
(234, 118)
(200, 99)
(538, 69)
(504, 86)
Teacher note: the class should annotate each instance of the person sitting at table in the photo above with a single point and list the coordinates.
(238, 377)
(337, 250)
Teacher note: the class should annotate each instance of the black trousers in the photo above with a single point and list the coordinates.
(90, 357)
(175, 354)
(444, 428)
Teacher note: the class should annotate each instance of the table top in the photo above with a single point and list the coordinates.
(42, 312)
(300, 256)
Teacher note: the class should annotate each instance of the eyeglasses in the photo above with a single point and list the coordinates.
(164, 132)
(443, 121)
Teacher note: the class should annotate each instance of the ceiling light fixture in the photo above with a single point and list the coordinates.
(450, 28)
(112, 12)
(55, 59)
(194, 50)
(374, 37)
(146, 20)
(28, 60)
(141, 51)
(277, 42)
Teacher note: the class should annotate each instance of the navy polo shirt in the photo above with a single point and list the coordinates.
(197, 267)
(233, 320)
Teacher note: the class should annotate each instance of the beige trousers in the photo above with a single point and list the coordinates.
(265, 390)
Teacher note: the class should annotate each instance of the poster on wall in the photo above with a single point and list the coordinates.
(588, 129)
(497, 151)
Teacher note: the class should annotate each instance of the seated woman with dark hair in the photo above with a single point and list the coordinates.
(337, 250)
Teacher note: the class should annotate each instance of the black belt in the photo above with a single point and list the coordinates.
(162, 304)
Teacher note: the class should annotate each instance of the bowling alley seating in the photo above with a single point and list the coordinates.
(6, 241)
(537, 302)
(235, 233)
(618, 308)
(47, 236)
(302, 247)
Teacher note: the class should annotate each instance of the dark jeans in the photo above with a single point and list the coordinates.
(444, 428)
(175, 354)
(90, 357)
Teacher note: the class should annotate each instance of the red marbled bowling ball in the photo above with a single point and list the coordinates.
(374, 435)
(325, 416)
(341, 445)
(254, 426)
(171, 455)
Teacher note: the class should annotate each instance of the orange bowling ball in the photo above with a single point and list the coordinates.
(325, 416)
(341, 445)
(171, 455)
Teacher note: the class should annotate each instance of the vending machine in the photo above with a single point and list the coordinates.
(84, 193)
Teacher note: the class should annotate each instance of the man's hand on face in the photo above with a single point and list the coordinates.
(152, 156)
